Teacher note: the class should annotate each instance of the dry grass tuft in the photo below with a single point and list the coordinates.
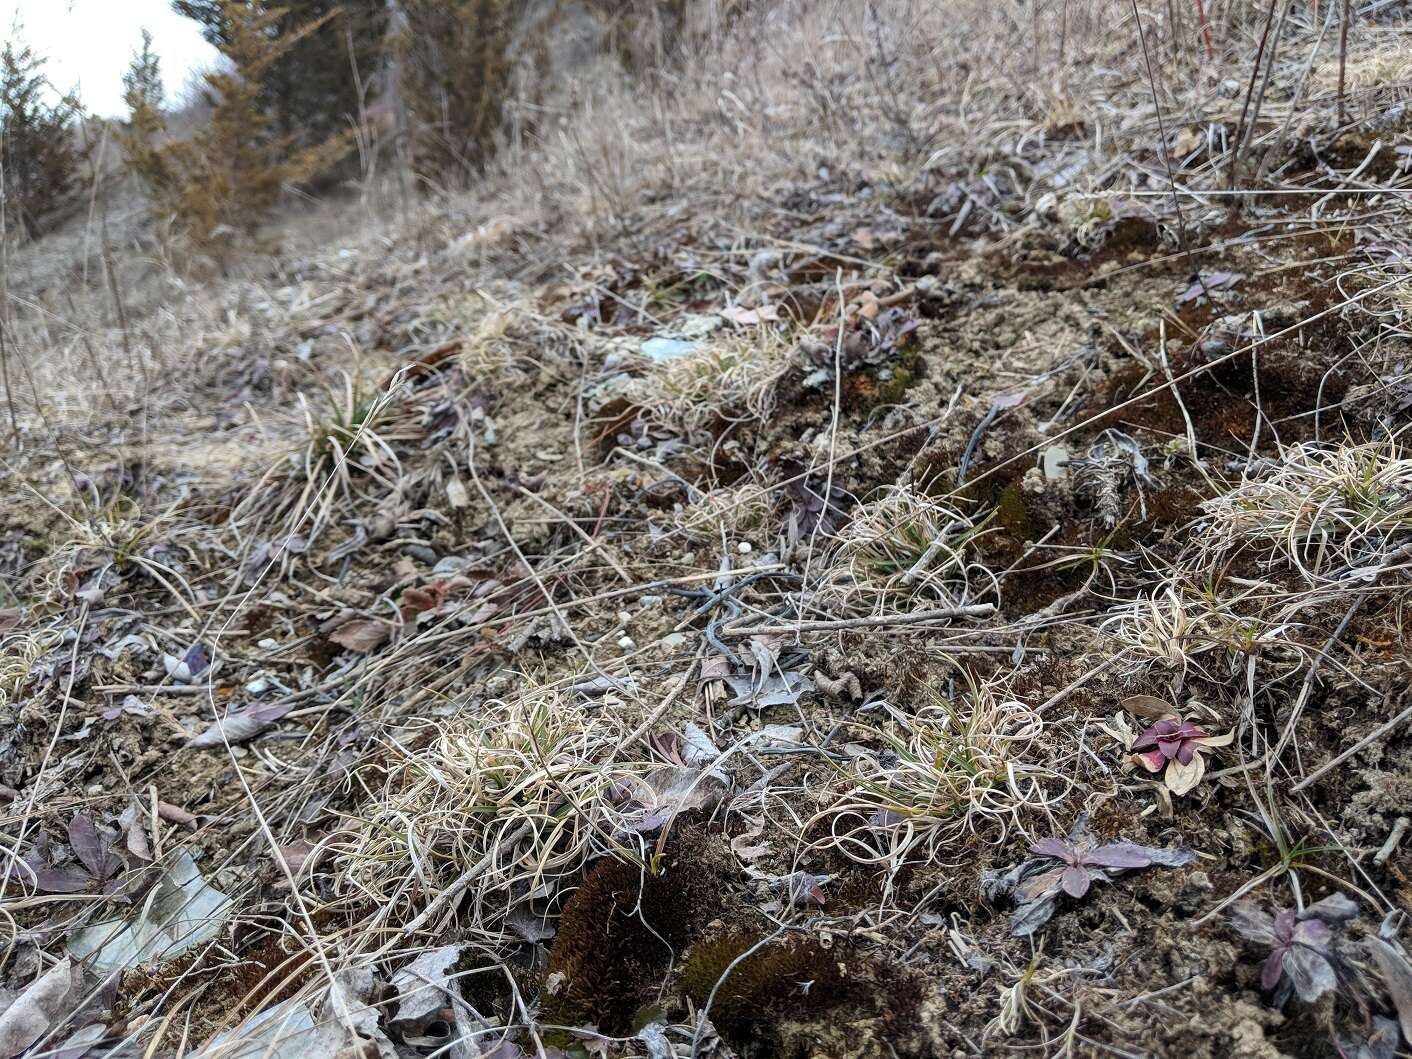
(961, 764)
(730, 382)
(1328, 512)
(535, 787)
(903, 547)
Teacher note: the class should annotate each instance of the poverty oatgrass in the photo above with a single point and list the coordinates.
(958, 765)
(904, 547)
(531, 788)
(1330, 513)
(729, 382)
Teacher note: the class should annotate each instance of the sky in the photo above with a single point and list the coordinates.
(89, 44)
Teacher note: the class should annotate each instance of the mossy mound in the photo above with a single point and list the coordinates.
(625, 926)
(798, 997)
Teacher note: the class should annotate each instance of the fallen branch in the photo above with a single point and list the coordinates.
(975, 610)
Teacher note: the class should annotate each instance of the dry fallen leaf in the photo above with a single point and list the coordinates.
(1148, 706)
(39, 1008)
(240, 725)
(175, 814)
(1397, 979)
(360, 636)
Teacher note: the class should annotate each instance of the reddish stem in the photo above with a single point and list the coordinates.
(1205, 29)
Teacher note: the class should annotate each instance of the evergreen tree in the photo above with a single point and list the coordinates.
(142, 84)
(226, 178)
(142, 141)
(39, 147)
(312, 90)
(460, 64)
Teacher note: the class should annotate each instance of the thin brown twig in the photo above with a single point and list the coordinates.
(974, 610)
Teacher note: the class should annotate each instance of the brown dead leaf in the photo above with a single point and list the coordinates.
(175, 814)
(1149, 707)
(715, 667)
(743, 317)
(361, 636)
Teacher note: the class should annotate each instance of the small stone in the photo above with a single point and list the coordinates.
(1055, 459)
(626, 643)
(624, 616)
(744, 548)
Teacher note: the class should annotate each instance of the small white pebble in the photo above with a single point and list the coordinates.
(626, 643)
(744, 548)
(624, 616)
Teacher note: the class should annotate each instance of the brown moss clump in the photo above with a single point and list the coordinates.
(622, 929)
(789, 997)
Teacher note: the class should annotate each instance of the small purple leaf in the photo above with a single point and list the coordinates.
(1075, 881)
(1250, 921)
(88, 847)
(1272, 970)
(67, 880)
(1314, 933)
(1312, 975)
(1053, 847)
(1123, 855)
(1152, 760)
(195, 660)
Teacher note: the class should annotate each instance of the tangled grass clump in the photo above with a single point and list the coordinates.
(533, 788)
(1321, 510)
(956, 766)
(904, 546)
(732, 380)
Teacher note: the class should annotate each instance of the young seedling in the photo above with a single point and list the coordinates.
(1069, 866)
(1171, 745)
(1302, 955)
(1179, 747)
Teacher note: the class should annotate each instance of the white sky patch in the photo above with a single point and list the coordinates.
(89, 44)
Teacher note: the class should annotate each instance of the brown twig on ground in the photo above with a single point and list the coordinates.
(975, 610)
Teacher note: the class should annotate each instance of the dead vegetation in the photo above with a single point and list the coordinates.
(862, 542)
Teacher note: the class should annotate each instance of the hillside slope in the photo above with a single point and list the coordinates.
(863, 547)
